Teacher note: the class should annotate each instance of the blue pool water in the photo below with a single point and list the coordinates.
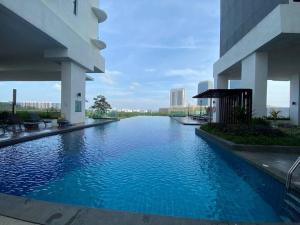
(144, 164)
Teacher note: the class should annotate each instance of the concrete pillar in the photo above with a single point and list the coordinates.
(295, 99)
(220, 82)
(73, 92)
(255, 76)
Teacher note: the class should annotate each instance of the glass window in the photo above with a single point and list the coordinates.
(78, 106)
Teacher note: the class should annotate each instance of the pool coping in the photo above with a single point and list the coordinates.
(236, 148)
(195, 123)
(17, 140)
(48, 213)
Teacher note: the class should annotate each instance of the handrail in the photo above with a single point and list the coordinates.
(290, 174)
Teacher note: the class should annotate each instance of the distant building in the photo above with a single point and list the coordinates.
(202, 87)
(235, 84)
(164, 110)
(39, 105)
(177, 97)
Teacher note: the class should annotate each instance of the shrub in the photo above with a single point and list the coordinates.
(255, 129)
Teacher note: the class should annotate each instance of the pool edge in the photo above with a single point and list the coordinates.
(18, 140)
(45, 213)
(236, 148)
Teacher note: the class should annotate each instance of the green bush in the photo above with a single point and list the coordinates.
(25, 115)
(258, 133)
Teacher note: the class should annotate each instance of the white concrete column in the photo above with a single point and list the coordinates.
(220, 82)
(73, 92)
(255, 77)
(295, 99)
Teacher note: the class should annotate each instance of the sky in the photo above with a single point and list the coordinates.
(152, 46)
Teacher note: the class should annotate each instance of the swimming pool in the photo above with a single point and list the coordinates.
(152, 165)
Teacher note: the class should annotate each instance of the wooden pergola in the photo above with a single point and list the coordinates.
(232, 103)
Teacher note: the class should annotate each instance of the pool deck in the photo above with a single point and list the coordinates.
(11, 138)
(188, 121)
(275, 164)
(22, 211)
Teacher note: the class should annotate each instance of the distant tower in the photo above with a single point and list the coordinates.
(202, 87)
(177, 97)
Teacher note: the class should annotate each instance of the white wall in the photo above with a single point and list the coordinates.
(72, 83)
(255, 77)
(84, 23)
(295, 99)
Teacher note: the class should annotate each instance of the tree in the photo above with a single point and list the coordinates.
(275, 114)
(101, 105)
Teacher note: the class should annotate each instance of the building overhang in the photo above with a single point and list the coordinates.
(32, 71)
(100, 14)
(279, 29)
(43, 34)
(98, 43)
(222, 93)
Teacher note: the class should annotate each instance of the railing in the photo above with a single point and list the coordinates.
(290, 173)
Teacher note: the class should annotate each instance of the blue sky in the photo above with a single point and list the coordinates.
(152, 46)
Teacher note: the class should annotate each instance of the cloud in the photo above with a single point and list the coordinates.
(113, 72)
(57, 86)
(107, 79)
(183, 72)
(134, 85)
(150, 70)
(109, 76)
(165, 46)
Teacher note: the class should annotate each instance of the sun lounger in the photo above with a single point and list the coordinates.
(35, 118)
(14, 120)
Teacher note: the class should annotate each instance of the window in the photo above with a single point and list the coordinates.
(78, 106)
(75, 7)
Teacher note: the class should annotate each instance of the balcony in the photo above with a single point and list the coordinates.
(100, 14)
(98, 43)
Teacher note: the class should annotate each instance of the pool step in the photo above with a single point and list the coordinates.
(292, 207)
(294, 198)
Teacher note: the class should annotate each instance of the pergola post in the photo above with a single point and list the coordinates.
(229, 101)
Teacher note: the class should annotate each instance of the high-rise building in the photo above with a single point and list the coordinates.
(52, 40)
(202, 87)
(177, 97)
(260, 41)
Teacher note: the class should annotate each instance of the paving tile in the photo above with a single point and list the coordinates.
(9, 221)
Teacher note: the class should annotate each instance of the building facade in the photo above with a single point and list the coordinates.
(202, 87)
(177, 97)
(260, 41)
(52, 40)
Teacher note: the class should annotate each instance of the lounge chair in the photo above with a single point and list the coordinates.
(14, 120)
(3, 127)
(3, 121)
(62, 123)
(34, 118)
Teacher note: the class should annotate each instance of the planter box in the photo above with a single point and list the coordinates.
(250, 148)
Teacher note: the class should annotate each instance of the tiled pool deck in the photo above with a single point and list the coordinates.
(30, 211)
